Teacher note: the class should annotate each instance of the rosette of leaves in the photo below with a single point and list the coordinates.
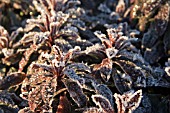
(44, 82)
(57, 19)
(44, 79)
(20, 51)
(102, 98)
(121, 52)
(133, 70)
(119, 58)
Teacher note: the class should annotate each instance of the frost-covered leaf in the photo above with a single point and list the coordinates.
(135, 72)
(76, 92)
(27, 55)
(103, 90)
(103, 103)
(105, 69)
(128, 102)
(90, 55)
(122, 81)
(47, 92)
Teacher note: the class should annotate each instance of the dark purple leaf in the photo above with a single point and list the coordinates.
(12, 80)
(75, 91)
(128, 102)
(103, 103)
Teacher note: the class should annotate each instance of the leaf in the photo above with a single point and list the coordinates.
(128, 102)
(111, 52)
(5, 98)
(12, 59)
(75, 92)
(106, 42)
(8, 109)
(90, 55)
(8, 103)
(167, 70)
(12, 80)
(150, 6)
(79, 72)
(122, 81)
(73, 76)
(3, 42)
(105, 92)
(103, 103)
(47, 92)
(79, 67)
(27, 55)
(105, 69)
(166, 40)
(135, 72)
